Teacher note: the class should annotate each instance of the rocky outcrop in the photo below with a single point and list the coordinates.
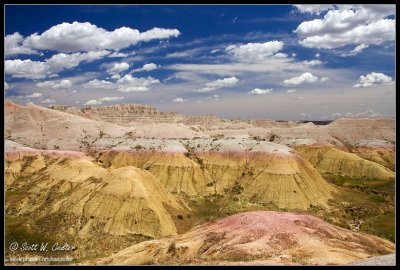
(122, 113)
(260, 237)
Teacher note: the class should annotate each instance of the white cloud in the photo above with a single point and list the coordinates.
(26, 69)
(215, 51)
(178, 100)
(313, 9)
(356, 50)
(13, 45)
(349, 24)
(102, 100)
(306, 77)
(37, 70)
(63, 84)
(253, 52)
(118, 67)
(61, 61)
(33, 95)
(127, 89)
(146, 67)
(116, 76)
(214, 97)
(126, 84)
(132, 84)
(47, 101)
(317, 55)
(149, 67)
(118, 55)
(373, 79)
(258, 91)
(312, 63)
(220, 83)
(6, 86)
(97, 84)
(291, 91)
(76, 36)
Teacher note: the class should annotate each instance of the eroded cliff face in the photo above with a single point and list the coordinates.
(260, 237)
(122, 113)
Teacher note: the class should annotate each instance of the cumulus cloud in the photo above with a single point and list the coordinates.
(50, 67)
(118, 67)
(149, 67)
(97, 84)
(306, 77)
(13, 45)
(220, 83)
(291, 91)
(47, 101)
(313, 9)
(33, 95)
(62, 84)
(356, 50)
(349, 24)
(178, 100)
(128, 83)
(102, 100)
(26, 69)
(61, 61)
(78, 37)
(311, 63)
(146, 67)
(253, 52)
(258, 91)
(214, 97)
(117, 55)
(373, 79)
(367, 113)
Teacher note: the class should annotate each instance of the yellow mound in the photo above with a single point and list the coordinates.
(176, 172)
(328, 159)
(385, 157)
(93, 200)
(288, 181)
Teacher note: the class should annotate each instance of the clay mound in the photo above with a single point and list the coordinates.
(88, 200)
(328, 159)
(43, 128)
(383, 156)
(258, 171)
(263, 236)
(176, 172)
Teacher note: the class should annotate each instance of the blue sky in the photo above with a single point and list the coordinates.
(314, 62)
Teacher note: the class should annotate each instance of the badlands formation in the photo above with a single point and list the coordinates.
(130, 185)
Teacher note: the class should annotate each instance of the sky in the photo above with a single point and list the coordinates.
(283, 62)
